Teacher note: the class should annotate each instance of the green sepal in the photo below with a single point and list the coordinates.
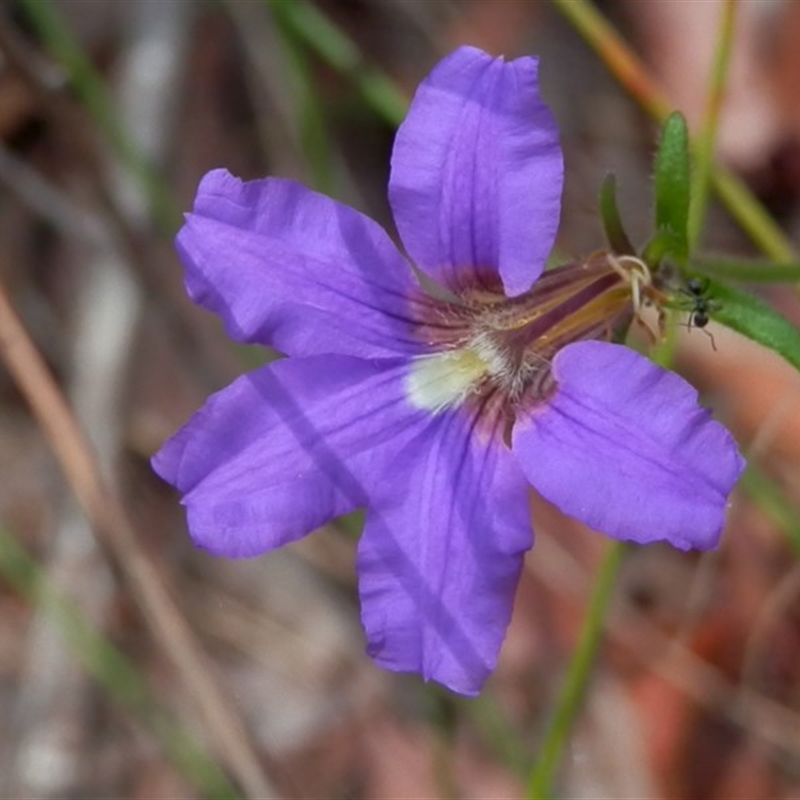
(752, 317)
(672, 188)
(745, 270)
(612, 221)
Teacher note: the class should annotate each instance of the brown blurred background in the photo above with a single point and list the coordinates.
(697, 694)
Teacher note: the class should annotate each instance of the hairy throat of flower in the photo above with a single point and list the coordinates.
(491, 347)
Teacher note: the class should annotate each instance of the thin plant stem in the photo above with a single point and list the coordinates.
(705, 143)
(634, 78)
(614, 52)
(570, 698)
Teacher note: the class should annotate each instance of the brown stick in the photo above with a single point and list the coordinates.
(116, 533)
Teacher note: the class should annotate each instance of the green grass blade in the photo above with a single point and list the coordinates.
(337, 50)
(745, 270)
(707, 138)
(91, 89)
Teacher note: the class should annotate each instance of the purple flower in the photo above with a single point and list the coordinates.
(435, 410)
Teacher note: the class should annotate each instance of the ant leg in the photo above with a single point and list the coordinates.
(690, 324)
(710, 336)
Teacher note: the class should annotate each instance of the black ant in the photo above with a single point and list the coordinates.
(702, 305)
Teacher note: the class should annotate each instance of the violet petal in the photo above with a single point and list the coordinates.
(624, 447)
(286, 448)
(441, 555)
(289, 268)
(477, 173)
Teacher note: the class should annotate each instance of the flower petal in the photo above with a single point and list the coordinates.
(477, 173)
(624, 447)
(284, 449)
(289, 268)
(441, 555)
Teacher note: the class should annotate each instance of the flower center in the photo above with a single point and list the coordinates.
(490, 344)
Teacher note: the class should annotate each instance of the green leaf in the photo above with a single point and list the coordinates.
(746, 270)
(672, 187)
(612, 222)
(752, 317)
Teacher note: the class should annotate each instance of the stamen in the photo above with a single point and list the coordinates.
(636, 273)
(640, 279)
(502, 346)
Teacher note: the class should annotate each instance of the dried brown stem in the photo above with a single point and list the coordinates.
(116, 533)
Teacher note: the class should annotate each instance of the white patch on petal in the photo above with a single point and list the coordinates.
(444, 380)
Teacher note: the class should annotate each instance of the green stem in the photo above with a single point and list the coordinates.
(573, 691)
(706, 141)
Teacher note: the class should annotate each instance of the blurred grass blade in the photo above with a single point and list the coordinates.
(634, 78)
(745, 270)
(707, 138)
(93, 94)
(118, 677)
(337, 50)
(313, 133)
(752, 216)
